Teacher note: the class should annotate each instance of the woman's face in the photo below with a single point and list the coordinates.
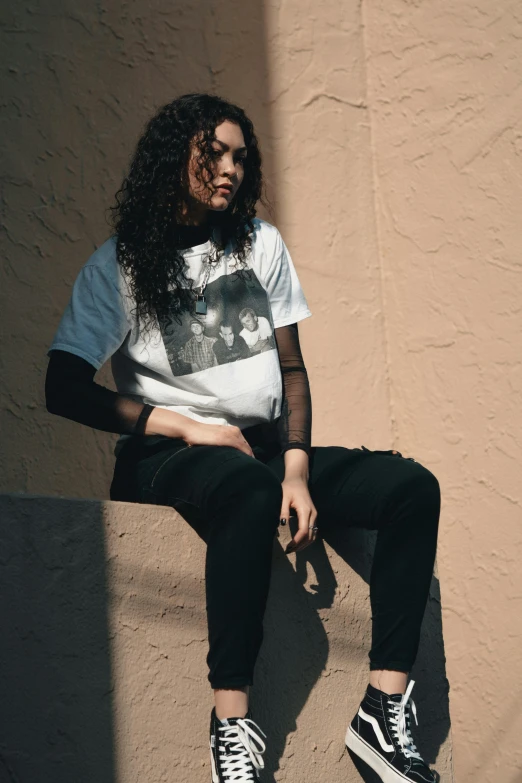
(228, 169)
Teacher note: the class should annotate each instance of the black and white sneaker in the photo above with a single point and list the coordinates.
(380, 735)
(236, 749)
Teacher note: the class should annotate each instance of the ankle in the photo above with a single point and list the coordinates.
(389, 681)
(231, 702)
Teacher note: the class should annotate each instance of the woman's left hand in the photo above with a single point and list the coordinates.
(296, 495)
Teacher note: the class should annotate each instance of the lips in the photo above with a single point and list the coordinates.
(226, 188)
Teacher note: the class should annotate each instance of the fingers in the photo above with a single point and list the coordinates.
(285, 510)
(305, 534)
(240, 442)
(246, 448)
(202, 434)
(300, 535)
(249, 450)
(312, 534)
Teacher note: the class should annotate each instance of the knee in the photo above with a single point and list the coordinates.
(428, 485)
(256, 479)
(413, 489)
(422, 489)
(253, 483)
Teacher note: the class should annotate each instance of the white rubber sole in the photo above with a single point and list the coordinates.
(379, 765)
(215, 778)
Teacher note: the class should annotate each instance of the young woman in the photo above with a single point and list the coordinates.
(196, 301)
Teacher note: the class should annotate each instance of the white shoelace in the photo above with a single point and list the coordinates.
(399, 723)
(244, 746)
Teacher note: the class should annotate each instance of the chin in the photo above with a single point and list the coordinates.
(219, 207)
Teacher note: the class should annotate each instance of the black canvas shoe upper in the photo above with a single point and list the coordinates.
(384, 723)
(236, 749)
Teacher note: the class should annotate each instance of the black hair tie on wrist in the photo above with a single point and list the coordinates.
(139, 428)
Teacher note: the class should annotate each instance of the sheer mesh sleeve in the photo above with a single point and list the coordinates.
(295, 423)
(71, 392)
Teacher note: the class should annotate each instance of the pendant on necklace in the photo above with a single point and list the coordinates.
(201, 304)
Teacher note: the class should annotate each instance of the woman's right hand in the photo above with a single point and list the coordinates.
(195, 433)
(199, 434)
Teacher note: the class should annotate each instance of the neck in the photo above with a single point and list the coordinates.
(189, 235)
(185, 222)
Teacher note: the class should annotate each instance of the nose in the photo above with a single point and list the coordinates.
(229, 168)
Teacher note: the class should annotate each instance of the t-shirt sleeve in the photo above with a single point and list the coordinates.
(95, 322)
(287, 299)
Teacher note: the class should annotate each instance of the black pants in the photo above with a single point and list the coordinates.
(234, 503)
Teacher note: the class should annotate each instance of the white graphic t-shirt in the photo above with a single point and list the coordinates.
(219, 368)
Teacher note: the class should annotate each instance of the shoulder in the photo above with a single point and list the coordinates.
(104, 258)
(102, 268)
(266, 232)
(268, 249)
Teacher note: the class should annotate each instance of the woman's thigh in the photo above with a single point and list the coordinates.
(355, 486)
(359, 488)
(195, 481)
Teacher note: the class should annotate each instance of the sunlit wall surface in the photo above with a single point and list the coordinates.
(391, 135)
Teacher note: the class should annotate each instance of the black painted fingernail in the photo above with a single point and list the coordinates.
(283, 521)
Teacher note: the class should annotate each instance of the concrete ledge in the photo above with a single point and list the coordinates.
(102, 663)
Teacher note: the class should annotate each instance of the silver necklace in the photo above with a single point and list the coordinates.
(200, 305)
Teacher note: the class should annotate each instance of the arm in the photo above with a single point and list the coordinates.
(295, 429)
(70, 391)
(295, 423)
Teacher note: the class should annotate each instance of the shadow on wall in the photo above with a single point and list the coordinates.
(291, 671)
(83, 79)
(55, 657)
(56, 721)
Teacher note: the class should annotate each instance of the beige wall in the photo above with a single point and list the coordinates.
(392, 140)
(80, 84)
(444, 86)
(103, 611)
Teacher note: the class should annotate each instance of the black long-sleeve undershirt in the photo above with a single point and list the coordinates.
(294, 426)
(71, 392)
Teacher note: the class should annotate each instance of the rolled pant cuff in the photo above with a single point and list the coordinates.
(231, 683)
(394, 666)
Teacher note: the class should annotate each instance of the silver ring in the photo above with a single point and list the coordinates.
(313, 527)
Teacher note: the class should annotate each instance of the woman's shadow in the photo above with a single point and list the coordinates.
(296, 648)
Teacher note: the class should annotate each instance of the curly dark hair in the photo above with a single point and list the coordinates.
(149, 203)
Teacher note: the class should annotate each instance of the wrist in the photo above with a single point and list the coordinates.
(297, 464)
(164, 422)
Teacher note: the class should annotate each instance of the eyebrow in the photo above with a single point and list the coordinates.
(226, 147)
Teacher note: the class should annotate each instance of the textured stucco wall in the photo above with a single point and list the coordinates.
(444, 83)
(325, 199)
(392, 140)
(104, 640)
(78, 85)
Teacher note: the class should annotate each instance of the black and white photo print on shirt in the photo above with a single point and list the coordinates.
(231, 377)
(236, 326)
